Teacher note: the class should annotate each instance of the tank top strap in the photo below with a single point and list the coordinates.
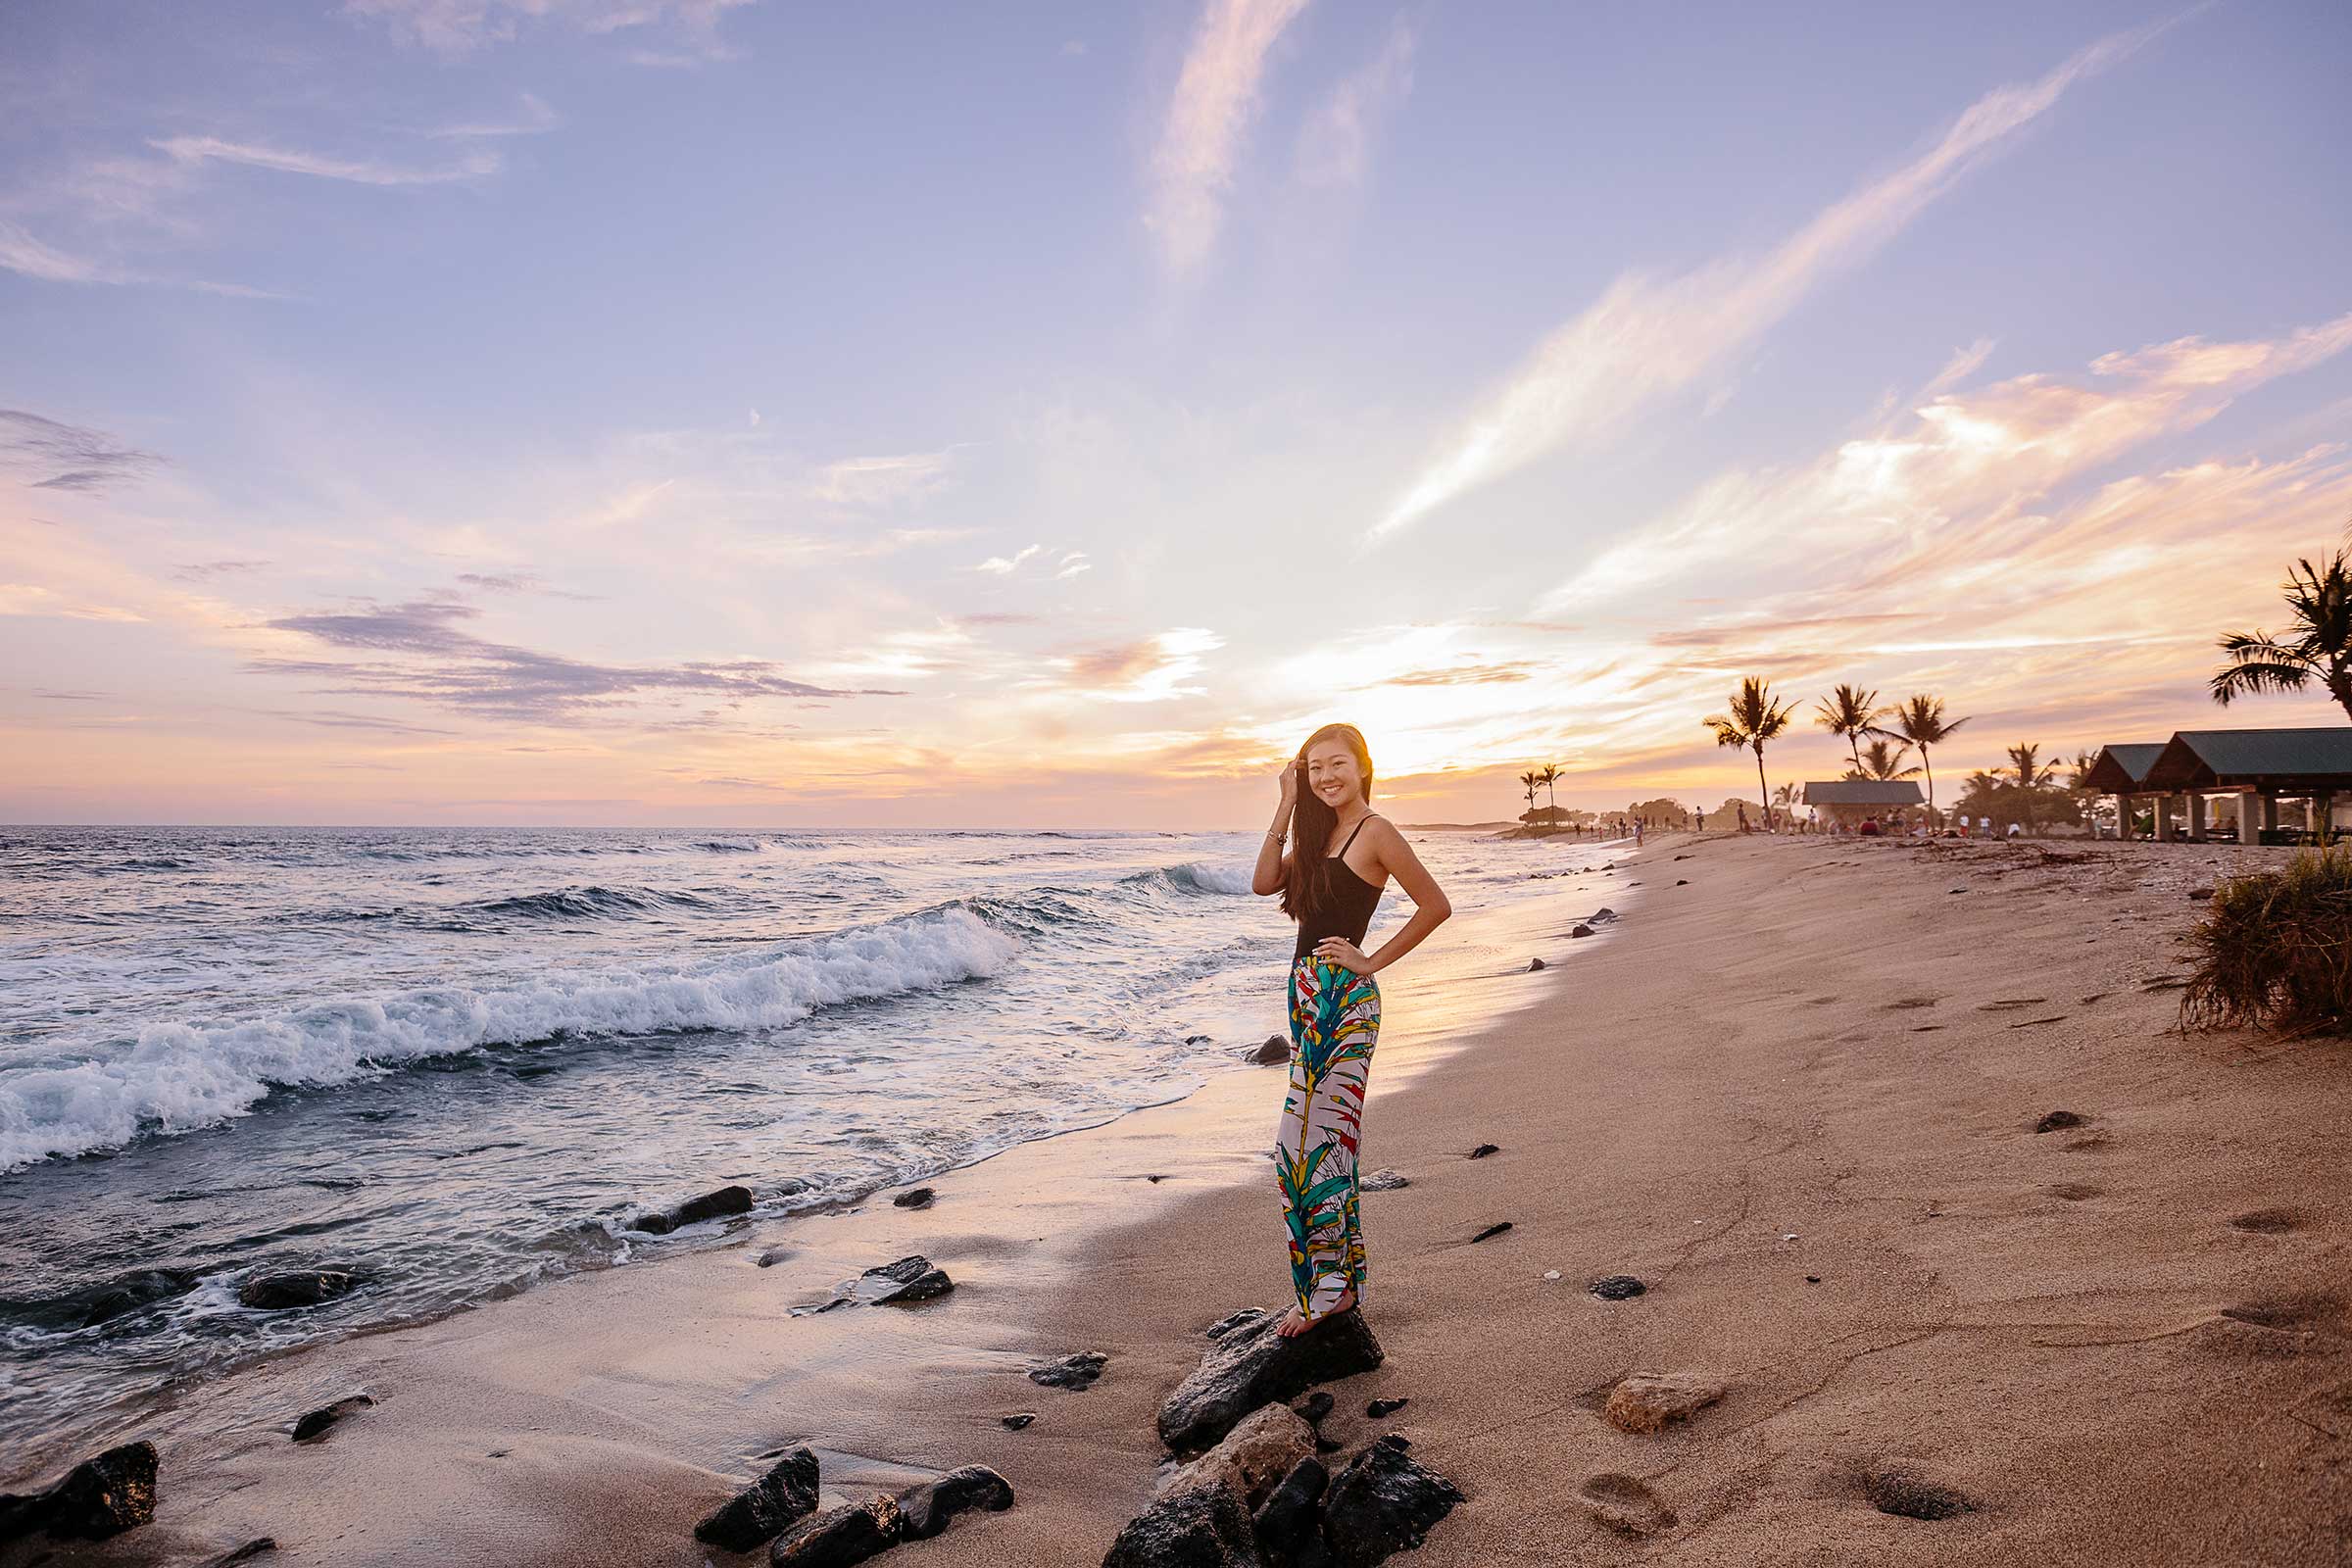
(1360, 827)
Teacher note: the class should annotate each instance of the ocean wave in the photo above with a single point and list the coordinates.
(584, 902)
(177, 1077)
(723, 847)
(1193, 877)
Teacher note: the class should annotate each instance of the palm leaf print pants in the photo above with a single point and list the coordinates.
(1335, 1021)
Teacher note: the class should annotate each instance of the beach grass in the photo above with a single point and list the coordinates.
(2275, 951)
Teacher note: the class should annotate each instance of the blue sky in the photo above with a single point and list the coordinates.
(700, 411)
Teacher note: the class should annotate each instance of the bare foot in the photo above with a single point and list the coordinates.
(1296, 1322)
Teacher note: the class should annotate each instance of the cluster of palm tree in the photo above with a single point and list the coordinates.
(1541, 778)
(1756, 717)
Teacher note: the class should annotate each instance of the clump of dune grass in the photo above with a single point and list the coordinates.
(2275, 952)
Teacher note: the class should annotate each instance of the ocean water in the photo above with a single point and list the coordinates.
(458, 1062)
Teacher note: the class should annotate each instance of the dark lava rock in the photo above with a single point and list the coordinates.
(1383, 1180)
(1252, 1365)
(1616, 1287)
(1812, 1279)
(1196, 1039)
(774, 1256)
(246, 1553)
(919, 1197)
(2059, 1121)
(1483, 1149)
(711, 1205)
(1899, 1490)
(1381, 1503)
(761, 1510)
(1192, 1527)
(1072, 1372)
(134, 1291)
(1603, 914)
(275, 1293)
(1682, 881)
(842, 1536)
(1491, 1229)
(98, 1497)
(910, 1279)
(1380, 1407)
(1581, 931)
(1273, 1054)
(1325, 1444)
(924, 1510)
(2200, 895)
(1315, 1406)
(1287, 1519)
(1532, 965)
(1233, 1320)
(326, 1415)
(1014, 1423)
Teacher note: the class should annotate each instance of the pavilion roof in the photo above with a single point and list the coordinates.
(2122, 769)
(2288, 761)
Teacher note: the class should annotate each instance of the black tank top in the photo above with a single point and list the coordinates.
(1353, 900)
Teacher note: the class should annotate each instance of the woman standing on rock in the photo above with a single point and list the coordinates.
(1330, 883)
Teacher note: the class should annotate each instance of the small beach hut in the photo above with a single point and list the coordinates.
(2260, 767)
(2122, 772)
(1849, 799)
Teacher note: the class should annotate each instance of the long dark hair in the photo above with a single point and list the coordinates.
(1307, 889)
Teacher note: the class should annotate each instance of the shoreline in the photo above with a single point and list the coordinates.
(1728, 1092)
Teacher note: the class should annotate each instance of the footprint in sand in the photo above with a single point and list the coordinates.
(2074, 1192)
(1625, 1504)
(2008, 1003)
(2267, 1221)
(1901, 1002)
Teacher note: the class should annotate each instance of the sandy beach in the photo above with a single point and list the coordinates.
(1795, 1090)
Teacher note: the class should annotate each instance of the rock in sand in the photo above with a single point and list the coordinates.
(317, 1421)
(1072, 1372)
(98, 1497)
(1194, 1527)
(1251, 1365)
(1261, 1449)
(764, 1509)
(924, 1510)
(1647, 1401)
(1383, 1503)
(693, 1211)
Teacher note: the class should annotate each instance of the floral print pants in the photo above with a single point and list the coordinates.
(1335, 1022)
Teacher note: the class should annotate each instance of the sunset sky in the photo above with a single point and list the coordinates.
(734, 413)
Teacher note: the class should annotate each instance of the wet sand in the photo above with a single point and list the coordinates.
(2126, 1342)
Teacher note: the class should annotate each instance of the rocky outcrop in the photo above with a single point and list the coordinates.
(279, 1293)
(1072, 1372)
(910, 1279)
(841, 1536)
(1291, 1516)
(924, 1510)
(1648, 1401)
(1195, 1527)
(711, 1205)
(764, 1509)
(1383, 1503)
(1251, 1365)
(98, 1497)
(317, 1422)
(1262, 1448)
(1273, 1054)
(133, 1291)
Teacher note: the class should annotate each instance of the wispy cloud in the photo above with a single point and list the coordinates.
(880, 481)
(461, 26)
(434, 661)
(1647, 338)
(535, 118)
(1146, 670)
(67, 456)
(203, 149)
(1215, 97)
(1335, 145)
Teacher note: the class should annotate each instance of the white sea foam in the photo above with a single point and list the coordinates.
(176, 1077)
(1211, 877)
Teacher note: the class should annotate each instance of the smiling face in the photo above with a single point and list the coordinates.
(1334, 774)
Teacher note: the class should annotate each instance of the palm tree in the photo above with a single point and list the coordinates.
(1849, 711)
(2319, 600)
(1884, 761)
(1550, 775)
(2024, 765)
(1920, 722)
(1526, 787)
(1755, 718)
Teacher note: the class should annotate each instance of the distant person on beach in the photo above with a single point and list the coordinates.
(1702, 822)
(1330, 881)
